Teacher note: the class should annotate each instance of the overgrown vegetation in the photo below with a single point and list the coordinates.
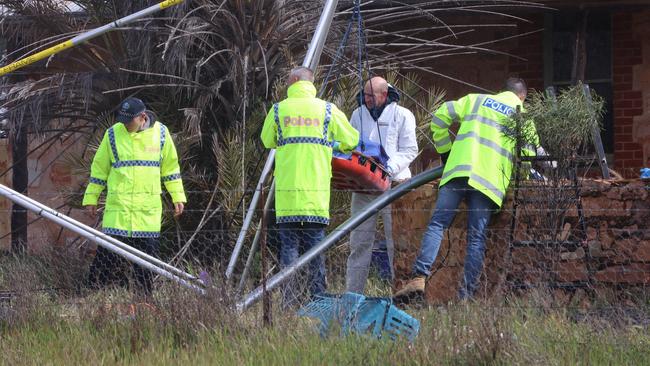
(177, 326)
(190, 330)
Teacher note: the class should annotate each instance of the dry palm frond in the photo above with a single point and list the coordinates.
(210, 69)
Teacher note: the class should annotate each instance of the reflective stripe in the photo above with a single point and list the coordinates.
(118, 232)
(531, 147)
(276, 116)
(111, 139)
(473, 176)
(486, 121)
(443, 142)
(487, 143)
(328, 117)
(452, 112)
(170, 177)
(496, 191)
(299, 218)
(477, 104)
(125, 163)
(101, 182)
(304, 139)
(438, 122)
(457, 168)
(145, 234)
(162, 139)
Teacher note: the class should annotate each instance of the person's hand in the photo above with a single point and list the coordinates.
(178, 208)
(92, 211)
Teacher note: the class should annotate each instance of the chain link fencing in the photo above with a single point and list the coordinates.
(591, 249)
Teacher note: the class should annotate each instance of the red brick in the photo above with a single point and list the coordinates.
(626, 44)
(632, 95)
(625, 104)
(631, 146)
(621, 69)
(628, 61)
(632, 112)
(621, 89)
(635, 273)
(623, 156)
(571, 271)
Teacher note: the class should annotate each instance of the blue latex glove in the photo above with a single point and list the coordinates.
(336, 146)
(645, 173)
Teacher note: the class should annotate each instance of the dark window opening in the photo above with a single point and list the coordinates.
(561, 29)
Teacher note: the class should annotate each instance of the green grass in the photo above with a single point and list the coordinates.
(194, 331)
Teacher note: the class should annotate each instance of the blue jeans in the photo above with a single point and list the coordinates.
(297, 238)
(480, 209)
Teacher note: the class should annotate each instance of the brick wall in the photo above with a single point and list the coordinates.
(530, 47)
(614, 251)
(628, 100)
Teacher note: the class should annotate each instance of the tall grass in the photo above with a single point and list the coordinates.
(183, 328)
(179, 327)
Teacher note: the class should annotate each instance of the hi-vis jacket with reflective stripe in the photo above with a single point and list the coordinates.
(131, 166)
(302, 128)
(482, 151)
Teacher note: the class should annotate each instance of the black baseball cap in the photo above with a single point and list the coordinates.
(129, 108)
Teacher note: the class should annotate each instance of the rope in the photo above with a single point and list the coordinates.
(357, 14)
(362, 55)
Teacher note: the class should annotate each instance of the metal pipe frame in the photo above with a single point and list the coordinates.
(7, 191)
(87, 232)
(373, 208)
(312, 57)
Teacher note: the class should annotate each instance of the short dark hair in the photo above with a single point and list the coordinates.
(517, 86)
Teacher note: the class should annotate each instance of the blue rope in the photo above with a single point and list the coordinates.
(357, 15)
(335, 62)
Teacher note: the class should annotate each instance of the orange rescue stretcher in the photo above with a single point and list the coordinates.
(359, 173)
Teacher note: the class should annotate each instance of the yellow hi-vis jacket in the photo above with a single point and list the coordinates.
(131, 166)
(303, 129)
(482, 151)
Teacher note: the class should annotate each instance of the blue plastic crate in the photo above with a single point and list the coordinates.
(355, 313)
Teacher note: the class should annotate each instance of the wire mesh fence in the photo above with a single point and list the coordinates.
(591, 252)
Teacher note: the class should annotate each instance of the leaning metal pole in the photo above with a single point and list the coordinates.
(85, 231)
(373, 208)
(155, 261)
(251, 253)
(311, 60)
(86, 36)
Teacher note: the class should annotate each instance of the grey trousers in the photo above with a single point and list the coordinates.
(362, 240)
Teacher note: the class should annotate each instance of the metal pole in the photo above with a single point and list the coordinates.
(320, 35)
(374, 207)
(268, 166)
(595, 135)
(311, 60)
(86, 36)
(58, 218)
(7, 192)
(249, 260)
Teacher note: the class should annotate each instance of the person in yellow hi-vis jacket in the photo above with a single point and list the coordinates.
(478, 168)
(135, 156)
(304, 129)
